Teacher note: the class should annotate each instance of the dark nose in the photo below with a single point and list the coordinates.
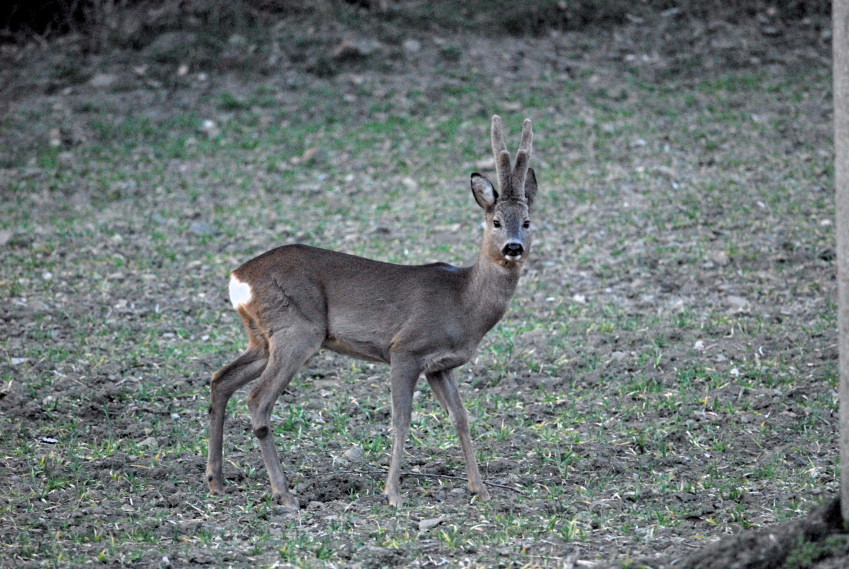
(513, 250)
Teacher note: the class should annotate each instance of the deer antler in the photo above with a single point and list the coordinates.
(523, 156)
(502, 157)
(511, 179)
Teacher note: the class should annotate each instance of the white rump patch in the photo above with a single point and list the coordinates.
(240, 293)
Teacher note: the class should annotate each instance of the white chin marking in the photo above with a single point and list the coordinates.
(512, 258)
(240, 293)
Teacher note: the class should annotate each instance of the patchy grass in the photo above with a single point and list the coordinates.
(666, 371)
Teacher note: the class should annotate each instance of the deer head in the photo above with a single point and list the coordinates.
(507, 237)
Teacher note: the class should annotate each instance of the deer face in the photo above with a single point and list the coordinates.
(509, 224)
(507, 235)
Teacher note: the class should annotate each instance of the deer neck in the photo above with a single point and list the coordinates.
(490, 288)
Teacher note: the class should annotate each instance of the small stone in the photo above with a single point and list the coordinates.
(66, 159)
(310, 154)
(411, 45)
(354, 454)
(55, 138)
(721, 258)
(237, 40)
(739, 303)
(209, 129)
(429, 523)
(149, 442)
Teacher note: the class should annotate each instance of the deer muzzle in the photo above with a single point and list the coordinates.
(513, 250)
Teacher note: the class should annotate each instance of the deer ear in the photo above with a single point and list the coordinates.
(530, 187)
(483, 191)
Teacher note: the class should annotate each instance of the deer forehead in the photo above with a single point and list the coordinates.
(511, 209)
(240, 293)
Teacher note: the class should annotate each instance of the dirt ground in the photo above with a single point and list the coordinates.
(665, 376)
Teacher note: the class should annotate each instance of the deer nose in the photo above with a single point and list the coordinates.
(513, 249)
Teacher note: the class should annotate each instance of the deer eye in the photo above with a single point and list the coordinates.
(526, 224)
(496, 223)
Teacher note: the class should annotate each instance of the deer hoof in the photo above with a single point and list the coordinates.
(394, 499)
(215, 486)
(287, 501)
(481, 494)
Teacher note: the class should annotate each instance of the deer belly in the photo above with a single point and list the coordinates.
(360, 350)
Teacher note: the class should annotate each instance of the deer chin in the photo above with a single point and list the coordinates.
(512, 260)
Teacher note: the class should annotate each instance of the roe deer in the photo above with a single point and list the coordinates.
(427, 319)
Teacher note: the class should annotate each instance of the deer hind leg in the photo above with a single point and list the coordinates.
(225, 382)
(443, 386)
(289, 349)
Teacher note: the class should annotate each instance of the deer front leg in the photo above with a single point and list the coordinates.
(443, 386)
(404, 375)
(225, 382)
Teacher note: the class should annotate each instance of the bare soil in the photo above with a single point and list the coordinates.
(630, 474)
